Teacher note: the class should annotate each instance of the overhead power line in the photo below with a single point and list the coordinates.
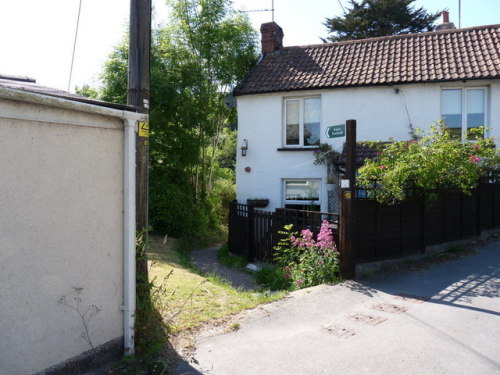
(340, 3)
(74, 45)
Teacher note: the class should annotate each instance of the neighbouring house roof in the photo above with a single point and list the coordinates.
(30, 85)
(448, 55)
(364, 150)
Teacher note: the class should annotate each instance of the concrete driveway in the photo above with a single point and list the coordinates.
(445, 320)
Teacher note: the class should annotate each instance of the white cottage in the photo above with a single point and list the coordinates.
(390, 85)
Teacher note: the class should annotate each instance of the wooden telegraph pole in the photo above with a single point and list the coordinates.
(347, 224)
(138, 96)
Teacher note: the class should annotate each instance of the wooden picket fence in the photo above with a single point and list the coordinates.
(383, 231)
(379, 231)
(253, 233)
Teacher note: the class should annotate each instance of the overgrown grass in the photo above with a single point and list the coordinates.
(455, 249)
(272, 277)
(193, 298)
(229, 259)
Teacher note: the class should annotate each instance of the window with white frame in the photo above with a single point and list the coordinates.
(302, 121)
(463, 109)
(302, 194)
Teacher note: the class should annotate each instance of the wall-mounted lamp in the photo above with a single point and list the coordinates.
(244, 147)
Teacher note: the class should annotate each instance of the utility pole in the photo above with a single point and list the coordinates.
(138, 96)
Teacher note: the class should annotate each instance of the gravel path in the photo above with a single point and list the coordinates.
(206, 261)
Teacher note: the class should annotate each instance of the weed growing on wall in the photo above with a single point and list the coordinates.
(85, 314)
(151, 331)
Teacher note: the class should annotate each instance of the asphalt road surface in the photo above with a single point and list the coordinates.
(445, 320)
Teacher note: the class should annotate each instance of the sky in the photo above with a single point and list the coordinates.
(37, 36)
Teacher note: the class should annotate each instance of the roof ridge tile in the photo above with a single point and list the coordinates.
(444, 55)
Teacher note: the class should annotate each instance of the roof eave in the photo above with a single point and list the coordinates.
(365, 85)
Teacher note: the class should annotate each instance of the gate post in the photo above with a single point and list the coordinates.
(251, 235)
(347, 222)
(231, 226)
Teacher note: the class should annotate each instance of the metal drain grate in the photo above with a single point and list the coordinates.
(387, 307)
(339, 331)
(368, 319)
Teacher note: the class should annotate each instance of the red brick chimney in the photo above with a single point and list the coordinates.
(446, 16)
(446, 25)
(272, 37)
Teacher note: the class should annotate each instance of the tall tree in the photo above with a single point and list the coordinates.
(373, 18)
(195, 62)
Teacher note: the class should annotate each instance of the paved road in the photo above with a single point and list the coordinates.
(442, 321)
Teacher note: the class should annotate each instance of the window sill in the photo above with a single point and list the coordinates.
(297, 149)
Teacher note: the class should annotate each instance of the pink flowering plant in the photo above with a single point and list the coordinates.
(307, 261)
(434, 160)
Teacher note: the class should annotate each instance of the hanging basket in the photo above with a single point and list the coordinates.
(261, 203)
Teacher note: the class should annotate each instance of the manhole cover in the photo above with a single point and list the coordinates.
(368, 319)
(387, 307)
(339, 331)
(411, 298)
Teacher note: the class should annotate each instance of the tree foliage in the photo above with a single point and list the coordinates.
(435, 160)
(195, 62)
(373, 18)
(87, 91)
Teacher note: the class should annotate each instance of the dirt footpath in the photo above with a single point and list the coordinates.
(206, 261)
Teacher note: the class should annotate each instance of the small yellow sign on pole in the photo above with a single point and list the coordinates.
(143, 129)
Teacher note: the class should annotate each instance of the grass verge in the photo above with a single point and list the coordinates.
(192, 299)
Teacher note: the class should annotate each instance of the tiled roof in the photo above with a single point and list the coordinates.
(29, 85)
(364, 150)
(472, 53)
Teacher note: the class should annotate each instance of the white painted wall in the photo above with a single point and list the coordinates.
(61, 227)
(380, 112)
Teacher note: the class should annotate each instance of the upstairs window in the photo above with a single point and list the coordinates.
(302, 122)
(463, 109)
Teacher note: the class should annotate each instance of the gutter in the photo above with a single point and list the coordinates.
(52, 101)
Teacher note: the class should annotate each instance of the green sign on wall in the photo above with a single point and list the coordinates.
(335, 131)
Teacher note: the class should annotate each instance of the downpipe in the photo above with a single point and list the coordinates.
(129, 236)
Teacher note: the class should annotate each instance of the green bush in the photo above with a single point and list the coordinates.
(223, 193)
(174, 211)
(272, 277)
(434, 160)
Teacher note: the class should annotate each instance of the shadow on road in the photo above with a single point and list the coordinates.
(455, 283)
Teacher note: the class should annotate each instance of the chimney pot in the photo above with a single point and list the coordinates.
(272, 37)
(446, 16)
(446, 25)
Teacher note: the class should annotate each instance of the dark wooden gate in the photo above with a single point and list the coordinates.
(254, 233)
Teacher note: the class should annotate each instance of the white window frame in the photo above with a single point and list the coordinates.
(301, 100)
(464, 90)
(303, 201)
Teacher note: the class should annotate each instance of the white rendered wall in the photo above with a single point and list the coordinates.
(61, 227)
(381, 113)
